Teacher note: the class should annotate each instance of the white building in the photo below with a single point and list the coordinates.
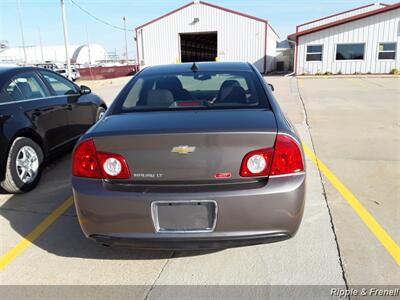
(79, 54)
(361, 40)
(284, 56)
(200, 31)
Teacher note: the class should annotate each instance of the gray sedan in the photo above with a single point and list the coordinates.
(190, 156)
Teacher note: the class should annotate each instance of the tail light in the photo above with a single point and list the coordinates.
(89, 163)
(85, 162)
(257, 163)
(113, 166)
(285, 158)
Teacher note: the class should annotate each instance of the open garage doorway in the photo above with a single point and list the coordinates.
(200, 46)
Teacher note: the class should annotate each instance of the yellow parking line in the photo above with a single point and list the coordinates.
(35, 233)
(366, 217)
(301, 83)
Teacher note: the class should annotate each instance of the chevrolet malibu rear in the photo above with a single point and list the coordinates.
(190, 156)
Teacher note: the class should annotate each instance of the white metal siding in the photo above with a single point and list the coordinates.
(383, 27)
(239, 38)
(340, 16)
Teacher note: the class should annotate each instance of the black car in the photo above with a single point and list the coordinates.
(41, 114)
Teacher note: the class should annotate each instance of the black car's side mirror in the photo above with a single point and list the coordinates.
(271, 86)
(85, 90)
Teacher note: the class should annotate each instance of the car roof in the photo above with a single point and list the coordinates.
(11, 70)
(201, 66)
(6, 72)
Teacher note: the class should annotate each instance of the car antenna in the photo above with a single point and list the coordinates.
(194, 68)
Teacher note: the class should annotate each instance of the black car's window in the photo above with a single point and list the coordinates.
(59, 84)
(195, 90)
(26, 86)
(5, 97)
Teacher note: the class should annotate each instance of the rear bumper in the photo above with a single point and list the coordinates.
(265, 214)
(185, 243)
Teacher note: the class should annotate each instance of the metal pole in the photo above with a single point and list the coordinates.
(88, 45)
(41, 44)
(126, 42)
(64, 20)
(22, 30)
(90, 57)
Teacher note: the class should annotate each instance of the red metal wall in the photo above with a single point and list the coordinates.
(107, 72)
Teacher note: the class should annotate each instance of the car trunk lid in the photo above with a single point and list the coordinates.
(185, 146)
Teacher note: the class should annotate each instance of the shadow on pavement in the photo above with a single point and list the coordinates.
(64, 237)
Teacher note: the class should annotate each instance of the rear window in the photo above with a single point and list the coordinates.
(200, 90)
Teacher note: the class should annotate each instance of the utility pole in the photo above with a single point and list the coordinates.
(64, 20)
(126, 42)
(41, 44)
(89, 54)
(88, 46)
(22, 30)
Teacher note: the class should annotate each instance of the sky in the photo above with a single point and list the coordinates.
(44, 16)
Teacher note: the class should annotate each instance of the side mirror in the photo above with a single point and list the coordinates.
(85, 90)
(271, 87)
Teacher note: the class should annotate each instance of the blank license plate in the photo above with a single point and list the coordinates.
(184, 216)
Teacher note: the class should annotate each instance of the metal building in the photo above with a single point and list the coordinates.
(79, 54)
(361, 40)
(201, 31)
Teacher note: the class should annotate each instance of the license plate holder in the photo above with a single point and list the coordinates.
(184, 216)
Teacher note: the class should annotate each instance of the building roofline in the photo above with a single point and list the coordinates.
(207, 4)
(272, 28)
(164, 15)
(292, 36)
(241, 14)
(234, 12)
(341, 13)
(343, 21)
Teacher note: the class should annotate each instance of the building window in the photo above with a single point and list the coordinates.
(350, 51)
(387, 51)
(314, 53)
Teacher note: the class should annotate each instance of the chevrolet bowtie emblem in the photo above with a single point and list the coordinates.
(183, 149)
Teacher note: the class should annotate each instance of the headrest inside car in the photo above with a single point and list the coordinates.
(163, 98)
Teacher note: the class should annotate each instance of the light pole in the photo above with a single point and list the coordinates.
(64, 20)
(89, 54)
(88, 46)
(22, 30)
(126, 42)
(41, 44)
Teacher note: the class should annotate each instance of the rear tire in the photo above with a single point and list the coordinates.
(100, 113)
(23, 168)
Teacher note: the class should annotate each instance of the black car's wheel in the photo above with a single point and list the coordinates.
(100, 113)
(23, 167)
